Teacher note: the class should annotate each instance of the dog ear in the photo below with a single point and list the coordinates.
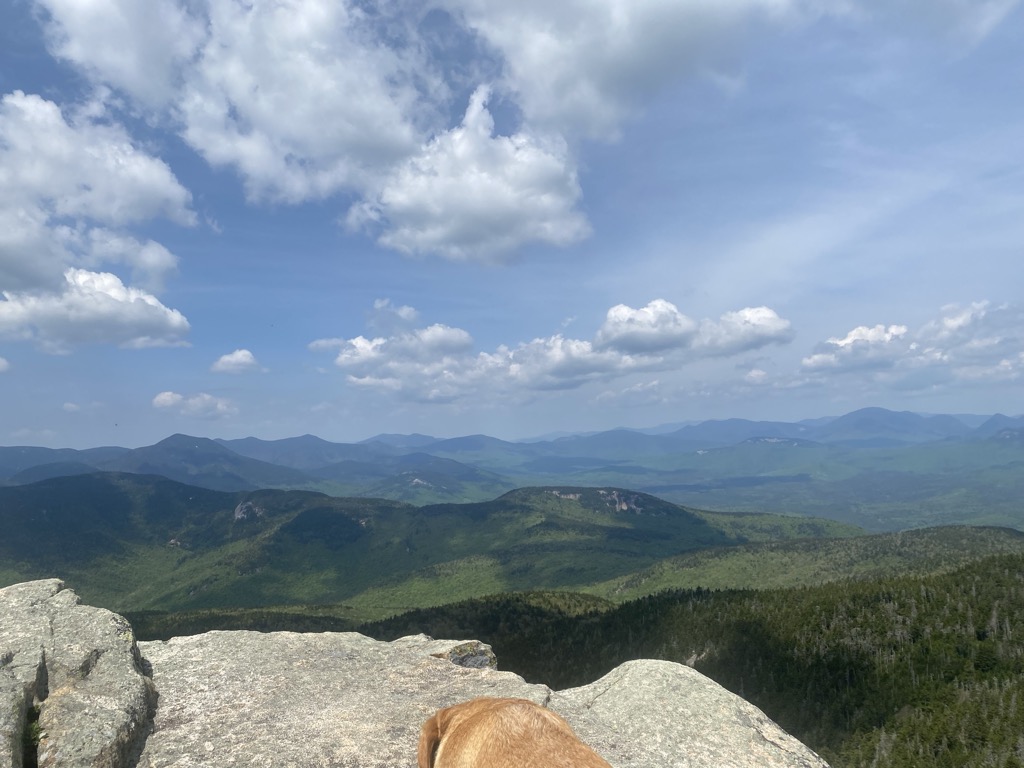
(430, 737)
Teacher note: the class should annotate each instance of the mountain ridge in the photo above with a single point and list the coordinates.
(833, 467)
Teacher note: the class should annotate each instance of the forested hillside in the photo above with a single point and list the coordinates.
(892, 673)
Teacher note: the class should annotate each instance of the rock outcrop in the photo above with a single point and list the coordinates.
(331, 699)
(78, 668)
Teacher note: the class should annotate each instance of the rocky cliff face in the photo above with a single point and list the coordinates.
(331, 699)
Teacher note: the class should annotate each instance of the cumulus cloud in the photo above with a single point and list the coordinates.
(744, 330)
(658, 326)
(239, 361)
(68, 185)
(583, 66)
(439, 363)
(303, 98)
(202, 405)
(4, 365)
(387, 319)
(84, 168)
(149, 262)
(94, 307)
(661, 326)
(469, 194)
(967, 343)
(63, 183)
(862, 347)
(308, 99)
(137, 47)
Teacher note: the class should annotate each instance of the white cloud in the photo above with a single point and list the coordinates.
(303, 98)
(658, 326)
(84, 168)
(150, 262)
(878, 334)
(862, 347)
(438, 363)
(202, 405)
(168, 400)
(59, 178)
(64, 182)
(966, 343)
(425, 351)
(94, 307)
(137, 47)
(4, 365)
(388, 319)
(32, 254)
(239, 361)
(471, 195)
(583, 66)
(744, 330)
(309, 99)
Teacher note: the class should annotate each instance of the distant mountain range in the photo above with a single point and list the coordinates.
(876, 468)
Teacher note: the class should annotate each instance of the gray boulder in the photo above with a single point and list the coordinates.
(283, 699)
(79, 670)
(666, 714)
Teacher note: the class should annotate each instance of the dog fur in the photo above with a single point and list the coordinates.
(502, 733)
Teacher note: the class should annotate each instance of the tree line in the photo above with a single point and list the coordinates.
(889, 673)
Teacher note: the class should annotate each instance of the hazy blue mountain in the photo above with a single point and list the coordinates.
(997, 423)
(416, 478)
(972, 420)
(616, 445)
(404, 442)
(47, 471)
(664, 429)
(486, 452)
(879, 427)
(14, 459)
(205, 463)
(476, 443)
(1009, 436)
(422, 478)
(305, 452)
(732, 431)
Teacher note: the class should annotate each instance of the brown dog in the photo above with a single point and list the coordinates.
(502, 733)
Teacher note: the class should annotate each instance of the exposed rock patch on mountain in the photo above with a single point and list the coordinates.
(329, 699)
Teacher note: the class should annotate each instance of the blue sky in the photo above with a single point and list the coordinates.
(344, 218)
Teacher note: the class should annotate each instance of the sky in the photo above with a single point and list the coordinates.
(232, 218)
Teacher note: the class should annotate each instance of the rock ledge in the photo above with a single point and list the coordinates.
(285, 699)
